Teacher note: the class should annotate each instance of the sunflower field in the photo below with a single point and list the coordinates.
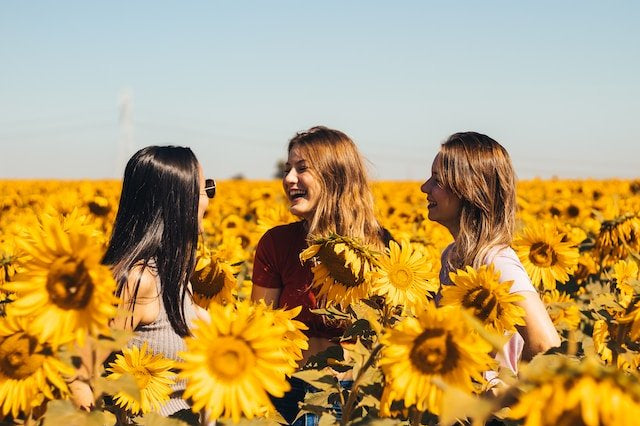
(406, 359)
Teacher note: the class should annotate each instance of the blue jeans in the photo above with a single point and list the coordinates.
(288, 405)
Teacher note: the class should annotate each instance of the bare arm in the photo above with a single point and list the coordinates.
(539, 333)
(271, 296)
(145, 310)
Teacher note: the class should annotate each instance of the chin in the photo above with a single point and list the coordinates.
(296, 211)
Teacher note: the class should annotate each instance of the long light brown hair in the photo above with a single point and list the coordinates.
(346, 204)
(478, 170)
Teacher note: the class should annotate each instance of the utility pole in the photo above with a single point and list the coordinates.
(125, 124)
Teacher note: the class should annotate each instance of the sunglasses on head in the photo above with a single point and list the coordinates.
(210, 188)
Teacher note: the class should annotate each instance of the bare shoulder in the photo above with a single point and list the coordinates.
(140, 301)
(141, 284)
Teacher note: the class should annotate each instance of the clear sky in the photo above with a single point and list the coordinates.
(557, 83)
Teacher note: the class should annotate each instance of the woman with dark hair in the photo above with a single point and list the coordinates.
(326, 183)
(472, 192)
(152, 251)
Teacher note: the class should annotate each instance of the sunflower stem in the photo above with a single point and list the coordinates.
(95, 366)
(351, 401)
(386, 314)
(340, 394)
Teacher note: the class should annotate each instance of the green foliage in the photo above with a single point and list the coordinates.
(61, 412)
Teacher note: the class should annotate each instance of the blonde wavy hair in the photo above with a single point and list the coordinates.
(346, 203)
(478, 170)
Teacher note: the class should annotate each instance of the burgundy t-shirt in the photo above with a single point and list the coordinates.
(277, 265)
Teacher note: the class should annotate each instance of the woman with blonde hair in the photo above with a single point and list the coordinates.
(472, 192)
(326, 184)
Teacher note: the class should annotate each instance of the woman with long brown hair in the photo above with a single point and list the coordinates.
(472, 192)
(326, 184)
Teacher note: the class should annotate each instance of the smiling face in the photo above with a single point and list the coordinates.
(444, 206)
(300, 185)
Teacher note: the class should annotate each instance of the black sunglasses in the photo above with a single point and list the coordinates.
(210, 188)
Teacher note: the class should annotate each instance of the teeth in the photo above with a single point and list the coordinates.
(297, 193)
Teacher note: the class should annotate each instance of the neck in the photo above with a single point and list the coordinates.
(454, 230)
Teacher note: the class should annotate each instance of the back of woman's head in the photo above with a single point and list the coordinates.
(346, 202)
(478, 170)
(157, 222)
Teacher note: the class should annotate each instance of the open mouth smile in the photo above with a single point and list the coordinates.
(295, 194)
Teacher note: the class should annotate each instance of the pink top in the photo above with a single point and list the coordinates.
(506, 261)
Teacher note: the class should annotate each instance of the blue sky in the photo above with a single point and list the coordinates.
(555, 82)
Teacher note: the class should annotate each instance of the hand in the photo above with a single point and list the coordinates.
(81, 395)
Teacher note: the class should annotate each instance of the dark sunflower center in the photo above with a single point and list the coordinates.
(244, 240)
(209, 281)
(336, 264)
(482, 302)
(69, 284)
(542, 254)
(573, 211)
(99, 206)
(434, 352)
(18, 359)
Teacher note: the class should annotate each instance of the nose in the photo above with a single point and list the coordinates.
(290, 177)
(425, 187)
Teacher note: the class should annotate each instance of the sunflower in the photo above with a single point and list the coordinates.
(625, 272)
(572, 234)
(63, 285)
(565, 392)
(405, 277)
(562, 309)
(618, 238)
(437, 344)
(29, 370)
(232, 363)
(213, 280)
(271, 215)
(632, 317)
(601, 336)
(294, 340)
(626, 359)
(489, 299)
(234, 226)
(586, 267)
(343, 268)
(9, 256)
(545, 256)
(152, 374)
